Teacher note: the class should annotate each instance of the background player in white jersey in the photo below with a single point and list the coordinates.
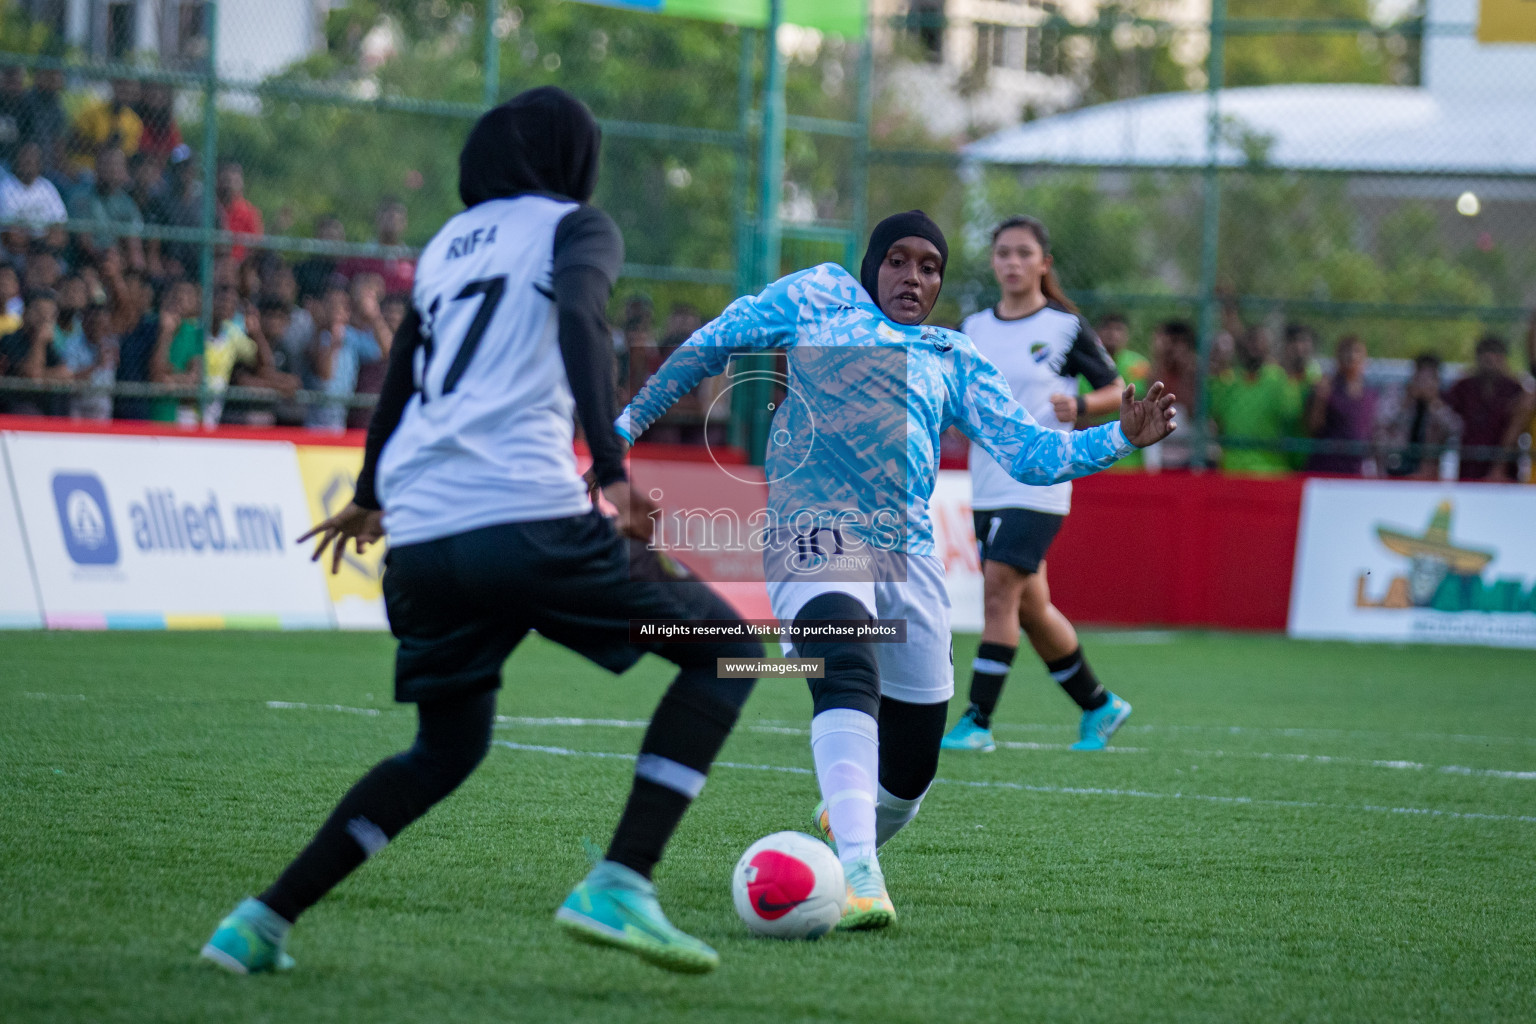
(1037, 339)
(851, 467)
(492, 534)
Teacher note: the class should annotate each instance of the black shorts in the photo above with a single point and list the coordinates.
(1019, 537)
(460, 605)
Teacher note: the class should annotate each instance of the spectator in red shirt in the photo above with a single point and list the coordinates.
(236, 213)
(157, 109)
(398, 273)
(1491, 404)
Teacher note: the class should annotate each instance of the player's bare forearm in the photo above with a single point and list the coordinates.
(1102, 401)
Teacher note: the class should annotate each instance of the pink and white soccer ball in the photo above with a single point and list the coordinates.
(789, 886)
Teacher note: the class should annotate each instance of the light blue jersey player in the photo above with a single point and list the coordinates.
(851, 466)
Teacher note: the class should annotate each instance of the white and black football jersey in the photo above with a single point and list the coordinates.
(487, 437)
(1040, 355)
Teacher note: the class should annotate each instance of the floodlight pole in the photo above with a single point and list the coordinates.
(1210, 223)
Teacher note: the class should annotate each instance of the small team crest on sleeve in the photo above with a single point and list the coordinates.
(941, 340)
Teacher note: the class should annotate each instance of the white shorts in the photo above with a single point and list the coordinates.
(920, 671)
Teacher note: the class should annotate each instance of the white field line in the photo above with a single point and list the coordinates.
(1254, 730)
(1493, 773)
(1359, 762)
(1132, 637)
(1431, 812)
(292, 705)
(1296, 733)
(614, 723)
(568, 752)
(632, 723)
(769, 725)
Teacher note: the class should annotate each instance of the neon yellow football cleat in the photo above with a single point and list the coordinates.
(869, 905)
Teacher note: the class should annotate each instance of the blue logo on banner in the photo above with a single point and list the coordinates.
(85, 518)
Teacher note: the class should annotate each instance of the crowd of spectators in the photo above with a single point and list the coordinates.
(1274, 412)
(109, 306)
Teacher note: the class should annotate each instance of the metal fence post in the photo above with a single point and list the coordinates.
(491, 87)
(1210, 223)
(771, 148)
(746, 236)
(770, 169)
(858, 223)
(210, 183)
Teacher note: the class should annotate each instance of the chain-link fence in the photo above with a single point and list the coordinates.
(1245, 192)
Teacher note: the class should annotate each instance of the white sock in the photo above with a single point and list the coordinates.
(892, 814)
(846, 746)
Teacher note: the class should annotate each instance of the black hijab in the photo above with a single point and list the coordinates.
(542, 140)
(895, 227)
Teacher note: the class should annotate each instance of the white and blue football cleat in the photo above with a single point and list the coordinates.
(968, 734)
(1100, 724)
(615, 906)
(250, 940)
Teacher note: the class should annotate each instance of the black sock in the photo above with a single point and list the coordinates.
(1074, 675)
(452, 738)
(685, 734)
(909, 746)
(988, 673)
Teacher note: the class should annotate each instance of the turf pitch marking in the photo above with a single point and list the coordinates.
(289, 705)
(1431, 812)
(1450, 769)
(635, 723)
(1359, 762)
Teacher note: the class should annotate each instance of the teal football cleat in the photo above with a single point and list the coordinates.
(250, 940)
(969, 735)
(615, 906)
(1100, 724)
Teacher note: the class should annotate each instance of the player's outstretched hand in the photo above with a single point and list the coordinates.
(363, 526)
(635, 510)
(1150, 420)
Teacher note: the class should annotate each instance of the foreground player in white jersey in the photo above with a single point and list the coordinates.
(492, 534)
(1037, 339)
(851, 466)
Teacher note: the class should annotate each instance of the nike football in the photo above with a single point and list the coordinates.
(789, 886)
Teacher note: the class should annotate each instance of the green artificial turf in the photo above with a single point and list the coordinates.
(1283, 831)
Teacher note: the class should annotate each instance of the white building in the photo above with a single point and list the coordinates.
(255, 37)
(977, 65)
(1470, 128)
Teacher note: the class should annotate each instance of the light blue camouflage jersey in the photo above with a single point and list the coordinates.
(855, 443)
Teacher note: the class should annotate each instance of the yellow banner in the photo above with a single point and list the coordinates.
(1507, 21)
(329, 475)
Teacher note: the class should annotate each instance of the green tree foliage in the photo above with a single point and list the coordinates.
(1132, 55)
(689, 202)
(1381, 57)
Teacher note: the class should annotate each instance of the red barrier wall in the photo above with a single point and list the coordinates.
(1178, 549)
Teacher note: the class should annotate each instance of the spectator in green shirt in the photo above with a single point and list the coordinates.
(178, 357)
(1255, 401)
(1135, 368)
(1298, 356)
